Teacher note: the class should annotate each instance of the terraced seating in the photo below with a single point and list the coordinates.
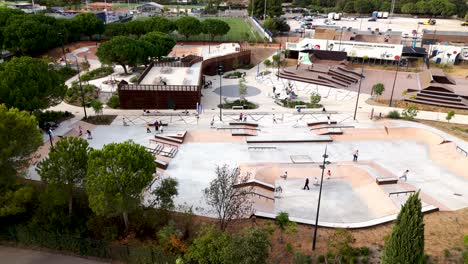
(350, 71)
(306, 80)
(170, 139)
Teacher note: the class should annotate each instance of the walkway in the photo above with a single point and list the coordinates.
(27, 256)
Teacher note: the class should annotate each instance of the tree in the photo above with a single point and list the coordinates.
(164, 194)
(14, 199)
(406, 243)
(97, 107)
(267, 63)
(315, 99)
(362, 6)
(162, 43)
(159, 24)
(274, 8)
(66, 166)
(88, 24)
(115, 29)
(20, 138)
(29, 84)
(271, 25)
(258, 8)
(378, 89)
(188, 26)
(242, 89)
(208, 246)
(410, 112)
(284, 224)
(450, 115)
(214, 27)
(349, 7)
(229, 202)
(116, 177)
(120, 50)
(136, 27)
(409, 8)
(251, 247)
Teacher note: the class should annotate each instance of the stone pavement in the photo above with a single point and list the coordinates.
(27, 256)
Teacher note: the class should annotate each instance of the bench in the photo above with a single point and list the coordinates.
(161, 164)
(321, 123)
(180, 135)
(237, 107)
(243, 124)
(171, 139)
(300, 106)
(388, 180)
(262, 147)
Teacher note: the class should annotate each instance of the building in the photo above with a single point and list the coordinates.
(352, 34)
(27, 7)
(5, 55)
(431, 37)
(149, 8)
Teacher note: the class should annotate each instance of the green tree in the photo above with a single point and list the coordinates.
(422, 7)
(188, 26)
(267, 63)
(450, 115)
(349, 7)
(162, 43)
(406, 243)
(228, 202)
(66, 166)
(136, 27)
(208, 246)
(410, 112)
(29, 84)
(116, 177)
(242, 89)
(315, 99)
(120, 50)
(251, 247)
(159, 24)
(362, 6)
(214, 27)
(378, 89)
(271, 25)
(258, 8)
(274, 8)
(97, 107)
(285, 225)
(115, 29)
(164, 193)
(20, 137)
(88, 24)
(409, 8)
(14, 199)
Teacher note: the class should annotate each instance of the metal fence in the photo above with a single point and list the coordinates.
(85, 247)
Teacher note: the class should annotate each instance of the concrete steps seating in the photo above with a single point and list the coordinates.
(161, 164)
(290, 139)
(331, 80)
(292, 76)
(169, 138)
(350, 72)
(343, 76)
(329, 131)
(451, 105)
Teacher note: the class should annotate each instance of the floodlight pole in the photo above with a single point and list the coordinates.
(359, 90)
(394, 82)
(220, 101)
(325, 156)
(81, 87)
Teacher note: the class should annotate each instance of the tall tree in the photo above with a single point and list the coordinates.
(252, 247)
(162, 43)
(228, 200)
(88, 24)
(159, 24)
(29, 84)
(274, 8)
(258, 8)
(188, 26)
(406, 243)
(214, 27)
(136, 27)
(20, 137)
(117, 175)
(208, 246)
(164, 193)
(66, 165)
(120, 50)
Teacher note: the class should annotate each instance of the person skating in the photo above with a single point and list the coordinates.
(355, 155)
(306, 185)
(404, 176)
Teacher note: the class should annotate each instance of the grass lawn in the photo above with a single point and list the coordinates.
(4, 4)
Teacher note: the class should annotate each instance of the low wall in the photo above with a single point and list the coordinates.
(153, 99)
(210, 66)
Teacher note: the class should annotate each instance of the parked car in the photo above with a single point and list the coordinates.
(464, 23)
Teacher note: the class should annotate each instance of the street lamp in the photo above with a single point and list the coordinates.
(220, 73)
(325, 162)
(394, 82)
(341, 34)
(359, 90)
(81, 87)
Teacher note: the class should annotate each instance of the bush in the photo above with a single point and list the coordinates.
(134, 79)
(73, 95)
(66, 73)
(300, 258)
(289, 248)
(410, 112)
(315, 100)
(321, 258)
(97, 73)
(52, 116)
(233, 75)
(246, 104)
(292, 104)
(267, 63)
(114, 101)
(365, 260)
(447, 253)
(394, 114)
(364, 251)
(450, 115)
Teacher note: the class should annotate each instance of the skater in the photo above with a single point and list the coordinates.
(274, 91)
(355, 155)
(241, 116)
(123, 121)
(285, 175)
(306, 185)
(274, 119)
(148, 130)
(212, 123)
(324, 110)
(80, 131)
(404, 176)
(316, 183)
(156, 125)
(328, 117)
(89, 134)
(245, 118)
(328, 174)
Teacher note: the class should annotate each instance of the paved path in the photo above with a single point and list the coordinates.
(26, 256)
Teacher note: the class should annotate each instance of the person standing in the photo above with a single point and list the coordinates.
(156, 125)
(274, 119)
(89, 134)
(306, 185)
(355, 155)
(80, 131)
(328, 174)
(245, 118)
(404, 176)
(241, 116)
(329, 119)
(148, 130)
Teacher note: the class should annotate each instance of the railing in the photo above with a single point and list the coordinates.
(261, 195)
(159, 87)
(462, 151)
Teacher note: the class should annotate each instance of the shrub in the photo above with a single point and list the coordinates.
(66, 73)
(450, 115)
(364, 251)
(97, 106)
(235, 74)
(315, 100)
(321, 258)
(410, 112)
(52, 116)
(97, 73)
(447, 253)
(267, 63)
(292, 104)
(134, 79)
(394, 114)
(300, 258)
(289, 247)
(404, 92)
(246, 104)
(73, 95)
(365, 260)
(114, 101)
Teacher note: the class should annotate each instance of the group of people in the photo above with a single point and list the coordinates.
(316, 181)
(88, 133)
(242, 117)
(158, 127)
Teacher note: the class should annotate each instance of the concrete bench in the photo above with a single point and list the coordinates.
(387, 180)
(161, 164)
(179, 135)
(300, 106)
(237, 107)
(170, 139)
(321, 123)
(243, 124)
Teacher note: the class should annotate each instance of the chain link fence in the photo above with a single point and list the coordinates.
(85, 247)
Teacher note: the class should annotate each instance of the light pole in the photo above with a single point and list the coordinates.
(81, 87)
(325, 162)
(394, 82)
(359, 90)
(252, 11)
(220, 73)
(264, 10)
(341, 34)
(279, 60)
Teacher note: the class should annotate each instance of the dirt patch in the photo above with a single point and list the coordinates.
(259, 54)
(457, 130)
(423, 107)
(458, 70)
